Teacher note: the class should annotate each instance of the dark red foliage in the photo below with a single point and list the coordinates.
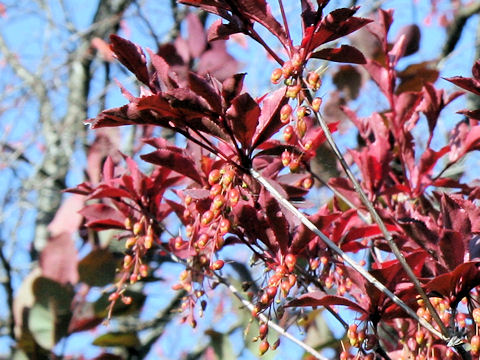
(230, 132)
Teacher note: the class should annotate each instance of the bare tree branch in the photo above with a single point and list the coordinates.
(456, 27)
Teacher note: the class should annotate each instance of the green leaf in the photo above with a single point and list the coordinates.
(19, 355)
(41, 323)
(51, 311)
(48, 292)
(221, 345)
(123, 339)
(98, 268)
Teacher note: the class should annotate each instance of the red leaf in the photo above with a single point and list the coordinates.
(187, 102)
(278, 231)
(58, 259)
(456, 284)
(405, 107)
(268, 122)
(217, 62)
(452, 248)
(367, 231)
(421, 175)
(475, 114)
(232, 87)
(253, 223)
(416, 76)
(349, 80)
(343, 54)
(344, 187)
(470, 84)
(67, 219)
(412, 38)
(102, 217)
(205, 89)
(303, 235)
(220, 31)
(130, 55)
(381, 77)
(242, 116)
(197, 40)
(463, 139)
(338, 23)
(175, 161)
(318, 298)
(103, 49)
(162, 69)
(137, 112)
(259, 11)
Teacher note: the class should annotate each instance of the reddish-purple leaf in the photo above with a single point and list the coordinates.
(197, 194)
(319, 298)
(232, 87)
(108, 169)
(130, 55)
(431, 106)
(470, 84)
(457, 284)
(102, 217)
(58, 259)
(205, 89)
(343, 54)
(137, 112)
(164, 63)
(309, 15)
(242, 117)
(322, 220)
(175, 161)
(412, 38)
(348, 79)
(463, 139)
(253, 223)
(259, 11)
(381, 77)
(475, 114)
(188, 103)
(452, 248)
(345, 188)
(397, 51)
(213, 6)
(454, 214)
(421, 175)
(221, 31)
(414, 77)
(367, 231)
(67, 219)
(197, 40)
(217, 62)
(337, 24)
(278, 231)
(103, 191)
(405, 107)
(269, 120)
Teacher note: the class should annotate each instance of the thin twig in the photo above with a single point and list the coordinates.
(271, 324)
(9, 290)
(343, 255)
(378, 220)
